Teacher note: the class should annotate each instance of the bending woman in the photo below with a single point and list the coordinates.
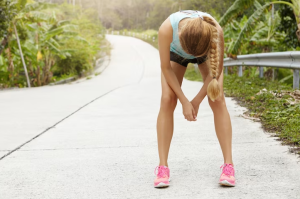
(192, 37)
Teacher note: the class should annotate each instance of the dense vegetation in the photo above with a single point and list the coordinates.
(56, 41)
(146, 14)
(270, 100)
(251, 27)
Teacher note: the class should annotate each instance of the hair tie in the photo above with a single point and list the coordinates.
(214, 77)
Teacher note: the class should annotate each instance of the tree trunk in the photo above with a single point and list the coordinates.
(10, 66)
(3, 43)
(298, 32)
(38, 76)
(21, 54)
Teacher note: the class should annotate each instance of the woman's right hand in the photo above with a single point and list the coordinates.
(189, 111)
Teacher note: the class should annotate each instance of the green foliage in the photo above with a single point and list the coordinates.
(7, 12)
(285, 75)
(216, 7)
(147, 14)
(191, 74)
(288, 25)
(150, 36)
(55, 41)
(75, 64)
(270, 101)
(238, 7)
(274, 107)
(247, 29)
(276, 39)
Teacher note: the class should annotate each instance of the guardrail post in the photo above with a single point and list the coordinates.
(226, 70)
(240, 71)
(296, 79)
(261, 72)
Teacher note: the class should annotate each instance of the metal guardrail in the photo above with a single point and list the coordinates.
(288, 60)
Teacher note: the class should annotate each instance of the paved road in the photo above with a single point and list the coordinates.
(97, 139)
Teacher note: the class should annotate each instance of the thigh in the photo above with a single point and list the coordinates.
(179, 71)
(205, 73)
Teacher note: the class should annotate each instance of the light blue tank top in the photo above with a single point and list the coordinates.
(175, 18)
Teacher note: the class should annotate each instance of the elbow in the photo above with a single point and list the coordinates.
(165, 69)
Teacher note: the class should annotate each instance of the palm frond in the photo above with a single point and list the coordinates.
(63, 22)
(248, 28)
(265, 42)
(37, 16)
(67, 29)
(237, 7)
(54, 42)
(53, 48)
(38, 6)
(21, 4)
(257, 4)
(262, 32)
(81, 39)
(1, 60)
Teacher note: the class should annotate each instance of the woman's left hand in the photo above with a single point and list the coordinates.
(196, 106)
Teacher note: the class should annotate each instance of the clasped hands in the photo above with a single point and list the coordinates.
(190, 110)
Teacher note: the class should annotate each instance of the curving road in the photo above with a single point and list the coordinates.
(97, 139)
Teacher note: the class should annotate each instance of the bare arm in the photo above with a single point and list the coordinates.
(165, 37)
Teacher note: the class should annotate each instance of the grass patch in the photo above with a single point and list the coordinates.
(191, 74)
(63, 76)
(275, 104)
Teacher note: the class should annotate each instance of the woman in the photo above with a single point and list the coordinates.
(192, 37)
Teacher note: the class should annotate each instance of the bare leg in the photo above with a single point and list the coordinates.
(221, 118)
(165, 118)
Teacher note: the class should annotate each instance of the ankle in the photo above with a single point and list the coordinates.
(229, 162)
(161, 164)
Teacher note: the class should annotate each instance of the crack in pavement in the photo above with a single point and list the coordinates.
(82, 148)
(49, 128)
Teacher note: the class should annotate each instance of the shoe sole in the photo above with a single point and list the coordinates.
(161, 184)
(226, 183)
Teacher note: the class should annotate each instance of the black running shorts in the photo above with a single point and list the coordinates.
(184, 62)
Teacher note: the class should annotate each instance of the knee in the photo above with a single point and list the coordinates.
(168, 102)
(218, 104)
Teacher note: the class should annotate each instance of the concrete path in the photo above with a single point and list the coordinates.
(97, 139)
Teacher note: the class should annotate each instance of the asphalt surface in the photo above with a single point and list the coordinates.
(97, 139)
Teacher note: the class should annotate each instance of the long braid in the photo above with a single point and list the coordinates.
(213, 89)
(200, 37)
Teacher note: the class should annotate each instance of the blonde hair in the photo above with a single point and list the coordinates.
(200, 37)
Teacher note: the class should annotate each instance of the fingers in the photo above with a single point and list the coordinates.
(189, 112)
(194, 115)
(190, 117)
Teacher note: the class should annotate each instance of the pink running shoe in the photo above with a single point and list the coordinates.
(227, 177)
(162, 176)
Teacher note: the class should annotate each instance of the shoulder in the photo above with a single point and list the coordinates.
(166, 30)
